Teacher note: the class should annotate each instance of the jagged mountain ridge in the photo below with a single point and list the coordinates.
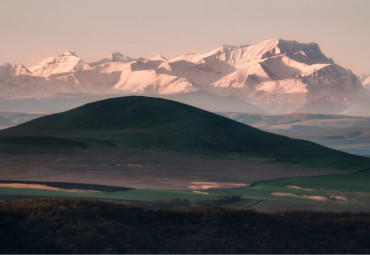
(278, 76)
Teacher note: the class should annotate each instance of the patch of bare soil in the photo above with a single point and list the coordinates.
(283, 194)
(215, 185)
(297, 187)
(44, 187)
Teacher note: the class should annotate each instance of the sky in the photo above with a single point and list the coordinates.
(33, 30)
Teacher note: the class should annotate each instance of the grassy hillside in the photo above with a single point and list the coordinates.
(153, 125)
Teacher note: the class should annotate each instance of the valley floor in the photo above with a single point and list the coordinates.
(144, 171)
(148, 178)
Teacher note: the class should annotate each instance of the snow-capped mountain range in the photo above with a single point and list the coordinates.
(278, 76)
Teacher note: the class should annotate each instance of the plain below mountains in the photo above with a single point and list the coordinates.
(346, 133)
(8, 119)
(157, 126)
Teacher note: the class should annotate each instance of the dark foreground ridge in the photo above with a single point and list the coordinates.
(139, 124)
(80, 226)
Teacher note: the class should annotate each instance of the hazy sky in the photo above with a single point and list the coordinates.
(33, 30)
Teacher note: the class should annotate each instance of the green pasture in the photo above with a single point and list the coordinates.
(354, 189)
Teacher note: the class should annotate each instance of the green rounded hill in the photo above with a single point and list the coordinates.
(137, 124)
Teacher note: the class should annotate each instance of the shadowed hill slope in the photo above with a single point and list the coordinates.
(152, 125)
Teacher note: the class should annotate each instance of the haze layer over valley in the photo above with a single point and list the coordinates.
(347, 133)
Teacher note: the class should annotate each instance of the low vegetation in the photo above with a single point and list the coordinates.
(81, 226)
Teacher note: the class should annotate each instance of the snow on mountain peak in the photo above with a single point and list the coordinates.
(14, 69)
(159, 57)
(240, 55)
(64, 63)
(235, 55)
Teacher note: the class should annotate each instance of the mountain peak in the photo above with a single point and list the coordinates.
(113, 57)
(64, 63)
(14, 69)
(69, 53)
(116, 54)
(308, 53)
(159, 57)
(119, 57)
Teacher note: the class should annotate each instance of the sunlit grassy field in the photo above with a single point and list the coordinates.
(344, 190)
